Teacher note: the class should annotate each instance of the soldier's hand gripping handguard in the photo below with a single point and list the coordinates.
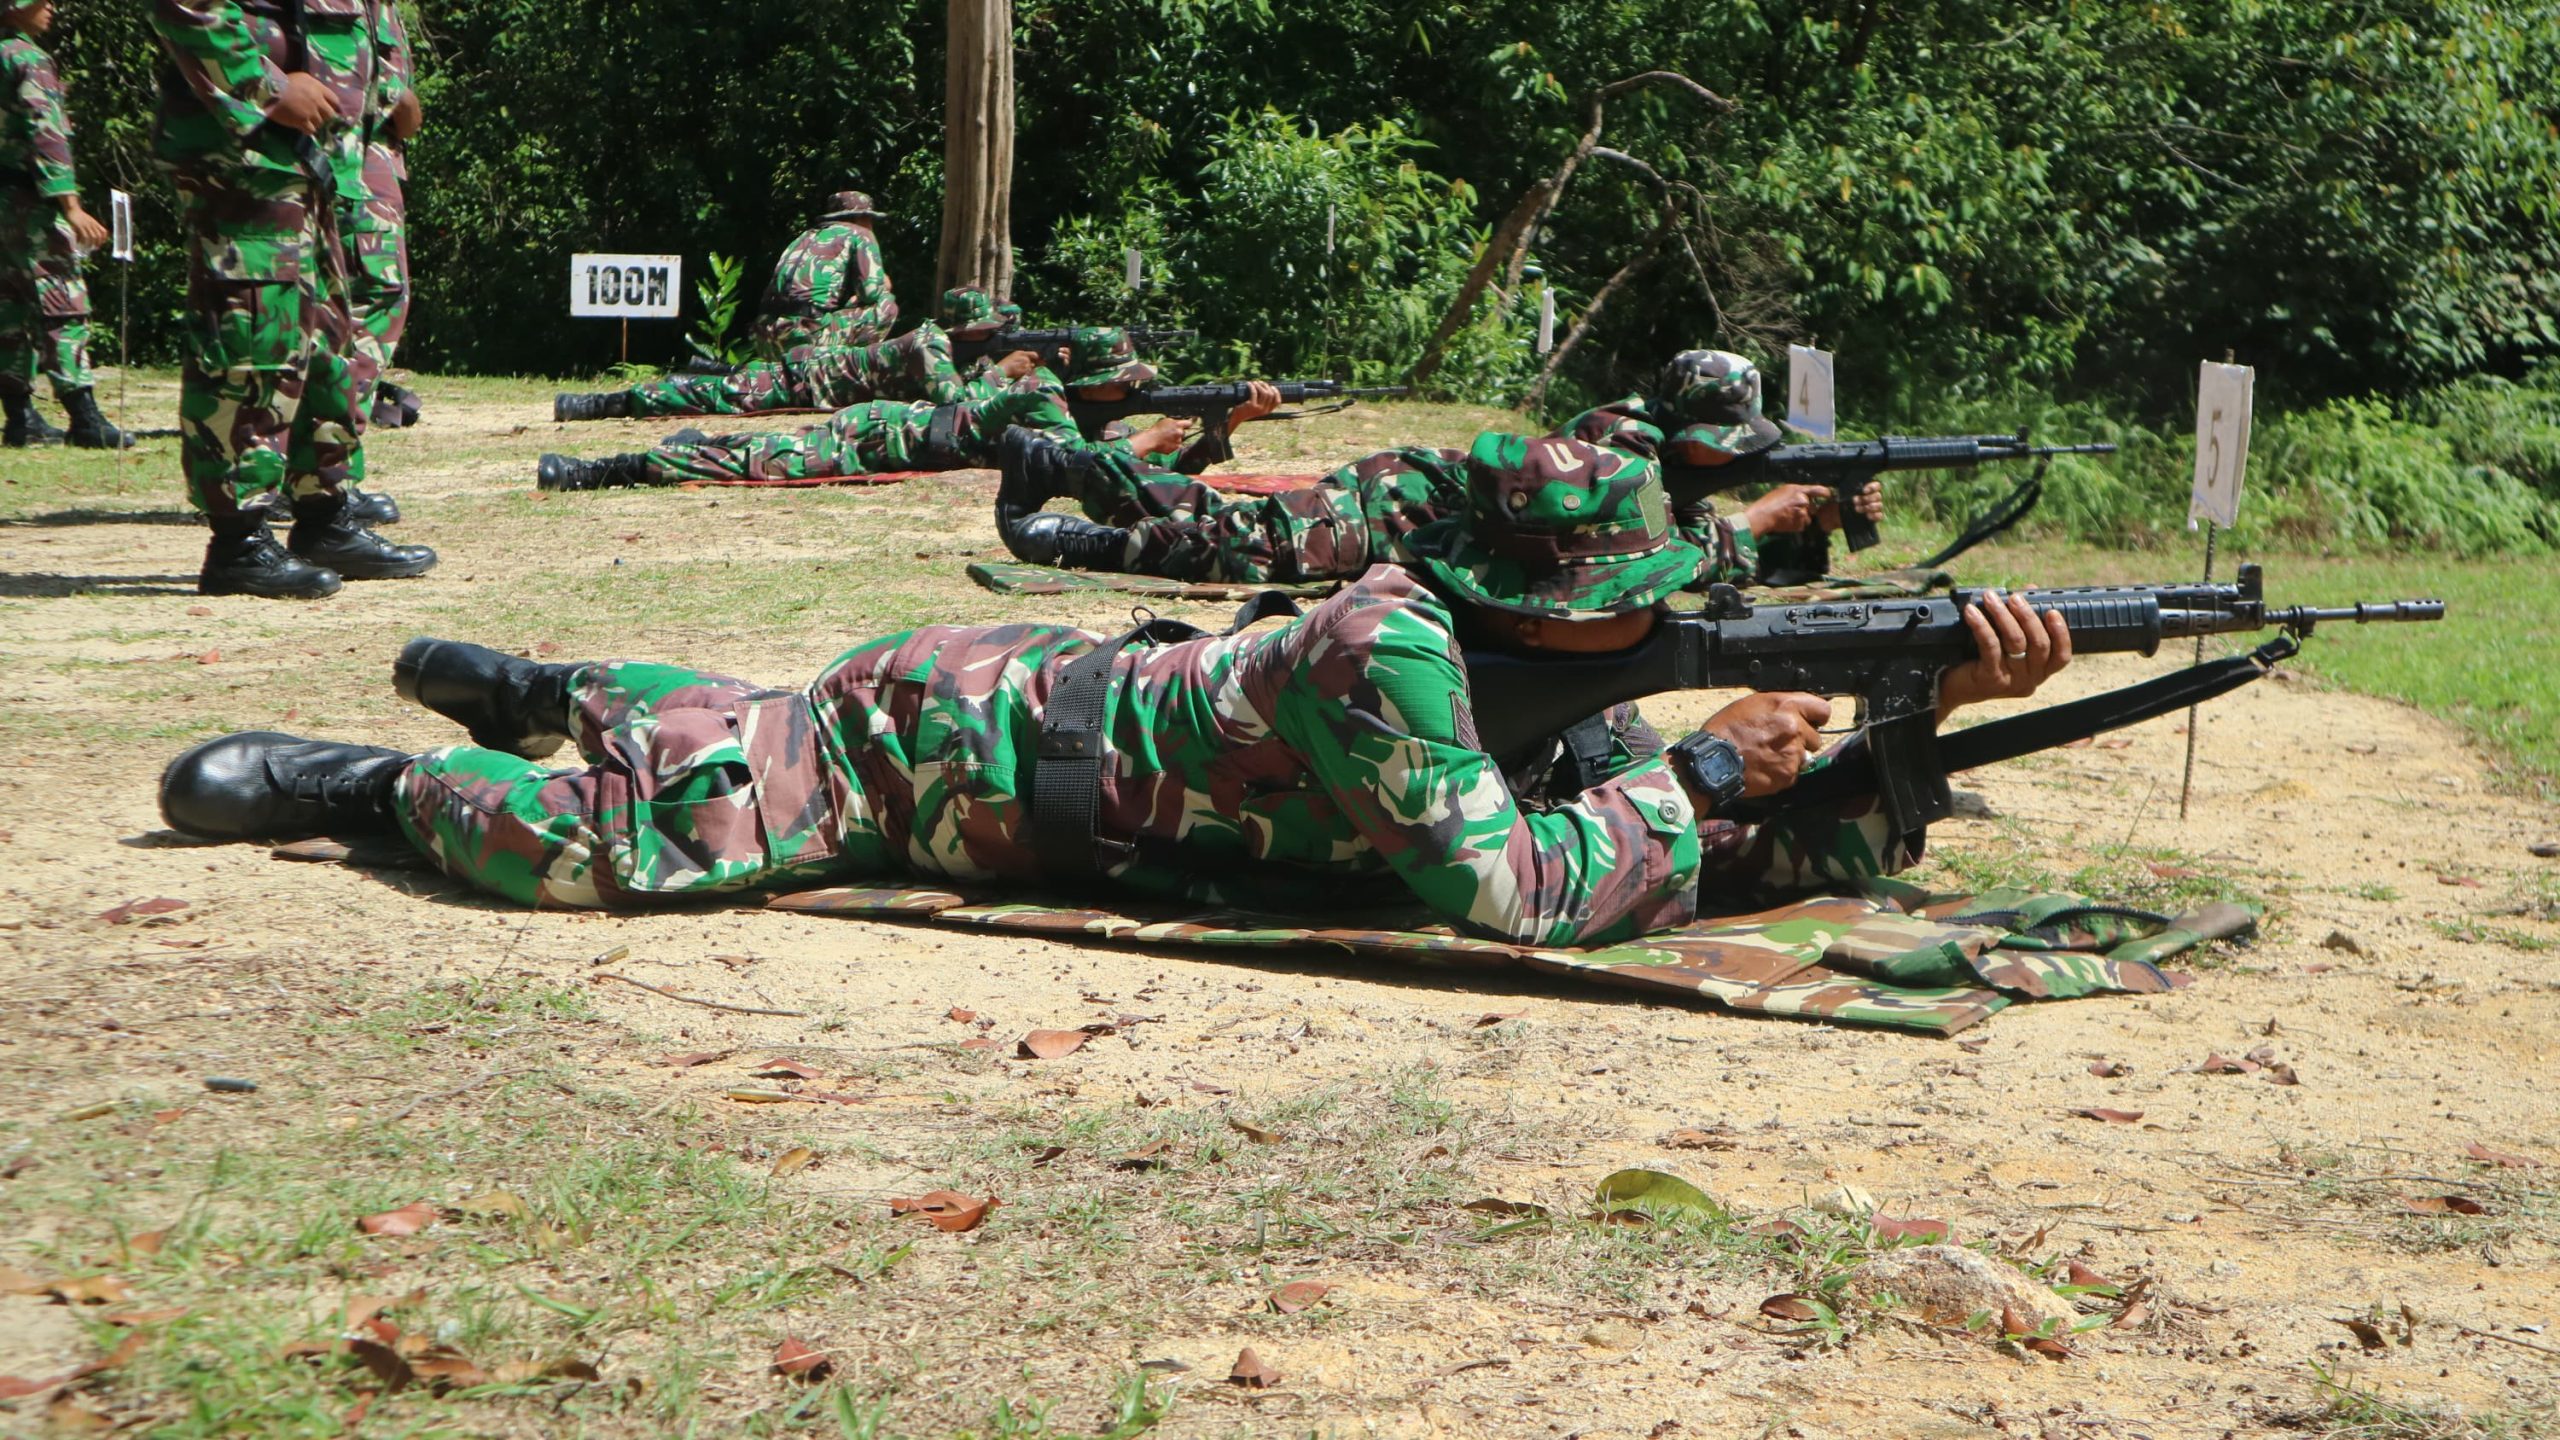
(1890, 655)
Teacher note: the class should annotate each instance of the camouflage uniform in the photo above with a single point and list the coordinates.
(1270, 769)
(888, 435)
(267, 395)
(44, 304)
(815, 376)
(830, 288)
(373, 219)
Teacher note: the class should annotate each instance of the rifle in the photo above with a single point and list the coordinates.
(1047, 344)
(1210, 403)
(1889, 655)
(1846, 468)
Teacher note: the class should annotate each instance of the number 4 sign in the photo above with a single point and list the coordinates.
(1809, 402)
(2222, 442)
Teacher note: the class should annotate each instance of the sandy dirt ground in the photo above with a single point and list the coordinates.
(2346, 813)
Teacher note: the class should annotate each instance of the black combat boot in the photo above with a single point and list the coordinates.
(519, 706)
(1036, 468)
(606, 405)
(1071, 541)
(246, 560)
(372, 507)
(613, 472)
(261, 785)
(395, 407)
(326, 533)
(89, 428)
(27, 425)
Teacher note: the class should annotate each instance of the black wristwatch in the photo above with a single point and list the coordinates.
(1710, 766)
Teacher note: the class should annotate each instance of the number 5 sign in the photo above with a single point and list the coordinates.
(2222, 442)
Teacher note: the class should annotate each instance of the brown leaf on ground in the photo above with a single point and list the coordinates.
(2112, 1117)
(1781, 1231)
(797, 1359)
(199, 609)
(736, 962)
(1043, 1154)
(1151, 1156)
(1690, 1137)
(2171, 872)
(388, 1365)
(409, 1219)
(2445, 1205)
(1491, 1018)
(90, 1290)
(2221, 1064)
(2047, 1346)
(757, 1095)
(1203, 1087)
(2281, 1074)
(779, 1068)
(793, 1161)
(981, 1042)
(2078, 1274)
(503, 1203)
(1496, 1205)
(1051, 1044)
(698, 1057)
(1791, 1307)
(210, 657)
(2368, 1334)
(1251, 1373)
(2109, 1069)
(1255, 1133)
(362, 1308)
(1297, 1295)
(2499, 1158)
(2467, 882)
(516, 1372)
(14, 1281)
(1928, 1232)
(948, 1211)
(963, 1016)
(132, 910)
(68, 1416)
(447, 1368)
(147, 1242)
(159, 1316)
(18, 1387)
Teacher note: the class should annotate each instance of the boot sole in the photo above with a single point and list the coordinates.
(307, 592)
(405, 571)
(404, 683)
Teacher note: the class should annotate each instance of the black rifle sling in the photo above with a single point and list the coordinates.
(1066, 782)
(2013, 508)
(1852, 772)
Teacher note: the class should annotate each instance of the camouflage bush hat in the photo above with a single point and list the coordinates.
(1714, 397)
(1560, 529)
(848, 205)
(1105, 355)
(966, 307)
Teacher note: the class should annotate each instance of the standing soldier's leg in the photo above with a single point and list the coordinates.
(385, 316)
(21, 320)
(62, 297)
(324, 454)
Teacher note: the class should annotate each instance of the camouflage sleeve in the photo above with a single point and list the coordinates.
(48, 154)
(395, 68)
(1381, 715)
(211, 45)
(1733, 554)
(867, 298)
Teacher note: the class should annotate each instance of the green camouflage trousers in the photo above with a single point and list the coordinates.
(913, 366)
(694, 784)
(267, 407)
(376, 235)
(44, 304)
(865, 439)
(1337, 528)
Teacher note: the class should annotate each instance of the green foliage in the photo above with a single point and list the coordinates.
(722, 295)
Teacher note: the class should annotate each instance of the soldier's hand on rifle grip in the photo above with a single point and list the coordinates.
(1785, 510)
(1261, 398)
(406, 117)
(1162, 438)
(1775, 732)
(2015, 648)
(305, 105)
(1018, 365)
(1869, 502)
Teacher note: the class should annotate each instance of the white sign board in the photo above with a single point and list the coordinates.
(2222, 442)
(1546, 319)
(626, 287)
(1137, 265)
(120, 224)
(1809, 403)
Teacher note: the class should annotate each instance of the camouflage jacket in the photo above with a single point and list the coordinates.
(35, 145)
(834, 271)
(394, 73)
(1630, 425)
(1271, 768)
(224, 64)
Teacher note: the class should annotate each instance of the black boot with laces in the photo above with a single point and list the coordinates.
(247, 560)
(506, 702)
(262, 785)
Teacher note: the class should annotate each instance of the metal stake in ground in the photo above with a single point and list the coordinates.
(2223, 395)
(120, 245)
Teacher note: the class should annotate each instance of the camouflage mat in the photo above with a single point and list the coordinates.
(1014, 579)
(1900, 957)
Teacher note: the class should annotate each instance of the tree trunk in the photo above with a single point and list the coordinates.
(977, 149)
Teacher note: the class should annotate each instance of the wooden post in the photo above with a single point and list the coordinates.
(977, 149)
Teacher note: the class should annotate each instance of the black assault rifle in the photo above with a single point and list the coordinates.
(1889, 654)
(1845, 468)
(1050, 345)
(1210, 403)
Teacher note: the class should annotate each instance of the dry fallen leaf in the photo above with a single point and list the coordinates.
(90, 1290)
(753, 1095)
(2220, 1064)
(132, 910)
(1150, 1156)
(505, 1203)
(963, 1016)
(1491, 1018)
(1251, 1373)
(1928, 1232)
(698, 1057)
(1051, 1044)
(2281, 1074)
(1690, 1137)
(2445, 1205)
(779, 1068)
(2109, 1069)
(1255, 1133)
(981, 1042)
(793, 1160)
(1297, 1295)
(2112, 1117)
(2078, 1274)
(2368, 1334)
(409, 1219)
(947, 1210)
(797, 1359)
(2171, 872)
(147, 1242)
(2499, 1158)
(1496, 1205)
(1791, 1307)
(1203, 1087)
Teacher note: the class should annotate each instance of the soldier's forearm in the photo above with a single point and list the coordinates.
(214, 48)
